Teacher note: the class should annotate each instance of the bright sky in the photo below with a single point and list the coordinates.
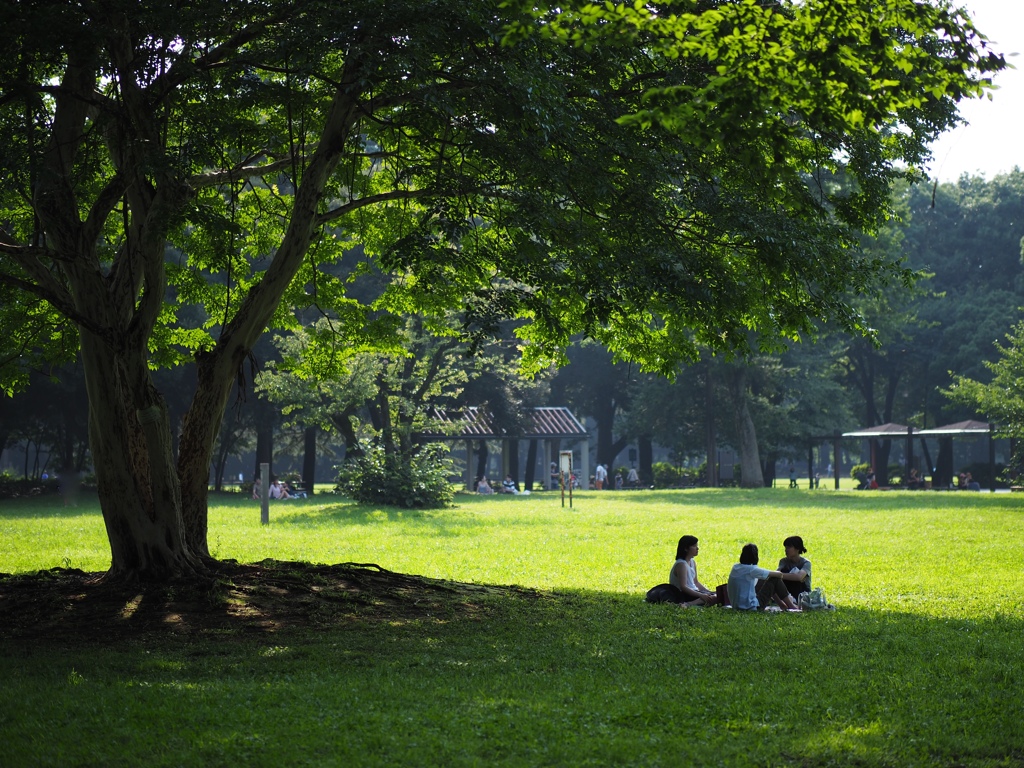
(993, 142)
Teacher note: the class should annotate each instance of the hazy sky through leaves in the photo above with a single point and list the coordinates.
(991, 143)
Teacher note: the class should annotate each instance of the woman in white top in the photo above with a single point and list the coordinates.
(683, 575)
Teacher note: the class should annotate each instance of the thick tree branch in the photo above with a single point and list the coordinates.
(239, 172)
(54, 293)
(354, 205)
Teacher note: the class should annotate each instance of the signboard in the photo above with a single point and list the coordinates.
(565, 469)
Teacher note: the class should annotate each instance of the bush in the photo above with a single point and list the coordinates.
(418, 481)
(13, 486)
(665, 475)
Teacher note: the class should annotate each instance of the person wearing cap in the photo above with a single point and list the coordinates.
(795, 568)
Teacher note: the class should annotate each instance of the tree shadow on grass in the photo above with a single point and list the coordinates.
(443, 521)
(49, 505)
(409, 668)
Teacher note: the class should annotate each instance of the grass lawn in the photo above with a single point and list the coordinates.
(921, 664)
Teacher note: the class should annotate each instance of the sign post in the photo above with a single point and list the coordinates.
(565, 465)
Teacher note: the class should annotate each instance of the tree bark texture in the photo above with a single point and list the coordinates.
(309, 458)
(750, 460)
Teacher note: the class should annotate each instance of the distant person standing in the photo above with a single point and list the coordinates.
(600, 476)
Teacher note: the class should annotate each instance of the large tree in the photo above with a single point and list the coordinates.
(1002, 398)
(966, 234)
(653, 179)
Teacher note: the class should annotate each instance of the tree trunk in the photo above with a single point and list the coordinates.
(645, 454)
(513, 460)
(131, 450)
(309, 459)
(343, 423)
(768, 468)
(750, 460)
(482, 455)
(265, 423)
(604, 415)
(531, 465)
(709, 415)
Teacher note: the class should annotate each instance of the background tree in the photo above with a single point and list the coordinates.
(593, 384)
(1002, 398)
(494, 178)
(967, 235)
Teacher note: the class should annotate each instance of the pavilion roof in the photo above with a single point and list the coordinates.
(959, 428)
(882, 430)
(476, 423)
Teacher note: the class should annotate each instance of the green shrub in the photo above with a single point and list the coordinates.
(419, 480)
(666, 475)
(14, 487)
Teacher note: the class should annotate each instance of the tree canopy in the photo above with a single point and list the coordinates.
(180, 176)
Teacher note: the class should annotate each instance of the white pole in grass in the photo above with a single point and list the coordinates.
(565, 460)
(265, 493)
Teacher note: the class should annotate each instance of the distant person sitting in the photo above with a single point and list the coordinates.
(278, 491)
(970, 483)
(484, 487)
(914, 482)
(257, 490)
(508, 485)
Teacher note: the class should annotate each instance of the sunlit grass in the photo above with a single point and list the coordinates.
(904, 550)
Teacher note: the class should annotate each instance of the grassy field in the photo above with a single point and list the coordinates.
(921, 664)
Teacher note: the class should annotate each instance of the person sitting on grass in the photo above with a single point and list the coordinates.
(292, 491)
(484, 487)
(795, 568)
(914, 482)
(508, 485)
(277, 491)
(752, 588)
(683, 575)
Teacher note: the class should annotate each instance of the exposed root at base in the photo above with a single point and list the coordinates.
(72, 606)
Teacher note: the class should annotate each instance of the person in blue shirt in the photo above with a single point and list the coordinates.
(752, 588)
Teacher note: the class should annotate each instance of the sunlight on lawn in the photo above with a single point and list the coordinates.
(903, 550)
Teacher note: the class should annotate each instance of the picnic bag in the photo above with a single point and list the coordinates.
(664, 593)
(815, 601)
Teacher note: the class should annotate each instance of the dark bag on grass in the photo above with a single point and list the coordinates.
(722, 590)
(664, 593)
